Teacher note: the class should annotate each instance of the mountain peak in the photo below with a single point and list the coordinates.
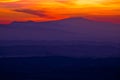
(76, 18)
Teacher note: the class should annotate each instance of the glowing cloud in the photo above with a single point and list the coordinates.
(8, 0)
(103, 10)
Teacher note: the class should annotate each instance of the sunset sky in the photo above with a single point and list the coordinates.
(44, 10)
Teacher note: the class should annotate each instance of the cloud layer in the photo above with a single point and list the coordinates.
(43, 10)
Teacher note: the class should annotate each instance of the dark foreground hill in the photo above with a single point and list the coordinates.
(71, 49)
(59, 68)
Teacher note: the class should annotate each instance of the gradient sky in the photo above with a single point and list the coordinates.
(44, 10)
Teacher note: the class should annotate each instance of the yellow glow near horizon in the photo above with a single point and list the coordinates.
(89, 1)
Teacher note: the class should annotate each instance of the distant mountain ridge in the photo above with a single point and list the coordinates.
(65, 29)
(74, 19)
(76, 37)
(66, 20)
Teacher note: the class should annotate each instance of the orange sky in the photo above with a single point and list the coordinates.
(44, 10)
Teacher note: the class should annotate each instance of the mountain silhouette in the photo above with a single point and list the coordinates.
(65, 30)
(76, 28)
